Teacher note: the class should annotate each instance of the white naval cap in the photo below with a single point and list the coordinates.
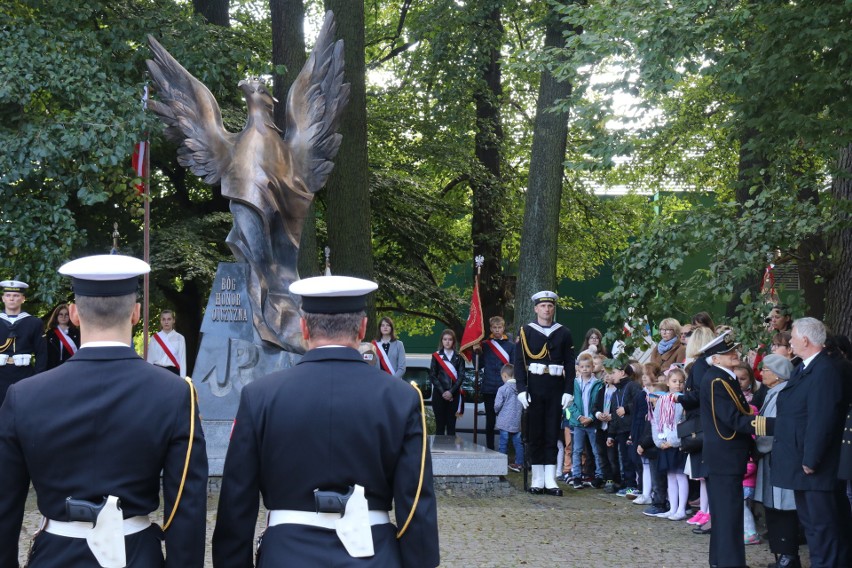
(545, 296)
(14, 286)
(104, 275)
(720, 344)
(333, 294)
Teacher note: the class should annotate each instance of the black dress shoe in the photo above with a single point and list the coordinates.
(536, 490)
(701, 530)
(555, 491)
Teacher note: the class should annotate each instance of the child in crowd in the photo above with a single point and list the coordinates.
(599, 370)
(508, 409)
(750, 387)
(607, 455)
(750, 535)
(618, 435)
(667, 414)
(641, 413)
(586, 405)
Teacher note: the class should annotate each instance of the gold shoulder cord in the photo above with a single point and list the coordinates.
(6, 345)
(422, 465)
(743, 410)
(192, 395)
(540, 355)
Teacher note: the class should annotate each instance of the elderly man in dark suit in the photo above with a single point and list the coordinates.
(806, 451)
(332, 445)
(102, 429)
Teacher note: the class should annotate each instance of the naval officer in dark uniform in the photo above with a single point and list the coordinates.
(332, 445)
(544, 371)
(729, 424)
(23, 351)
(101, 430)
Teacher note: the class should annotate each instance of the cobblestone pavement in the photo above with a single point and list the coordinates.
(583, 528)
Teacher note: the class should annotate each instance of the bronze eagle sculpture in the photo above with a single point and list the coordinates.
(269, 178)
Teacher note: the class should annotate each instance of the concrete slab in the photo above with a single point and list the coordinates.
(454, 456)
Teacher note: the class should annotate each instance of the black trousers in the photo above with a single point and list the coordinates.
(445, 415)
(783, 531)
(490, 419)
(544, 418)
(725, 493)
(826, 524)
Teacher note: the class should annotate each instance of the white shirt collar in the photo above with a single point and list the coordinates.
(104, 344)
(806, 362)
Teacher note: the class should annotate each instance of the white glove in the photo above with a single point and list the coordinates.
(524, 399)
(567, 399)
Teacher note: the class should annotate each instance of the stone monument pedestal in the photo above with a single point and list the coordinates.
(230, 356)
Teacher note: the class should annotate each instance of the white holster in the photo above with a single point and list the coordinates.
(106, 537)
(352, 528)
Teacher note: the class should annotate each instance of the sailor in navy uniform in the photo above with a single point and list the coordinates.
(23, 351)
(729, 426)
(332, 446)
(94, 436)
(544, 371)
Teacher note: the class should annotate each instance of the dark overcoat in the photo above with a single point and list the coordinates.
(104, 423)
(330, 422)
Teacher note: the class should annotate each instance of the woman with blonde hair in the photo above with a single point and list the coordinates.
(669, 350)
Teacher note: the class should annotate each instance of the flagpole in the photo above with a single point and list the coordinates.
(476, 369)
(146, 231)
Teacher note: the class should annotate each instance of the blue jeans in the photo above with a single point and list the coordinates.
(516, 441)
(582, 435)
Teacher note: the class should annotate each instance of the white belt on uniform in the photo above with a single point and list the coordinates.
(81, 529)
(542, 369)
(321, 520)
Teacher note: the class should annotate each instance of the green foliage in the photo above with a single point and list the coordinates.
(737, 98)
(741, 240)
(71, 78)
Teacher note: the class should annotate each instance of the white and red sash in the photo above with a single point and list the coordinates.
(384, 360)
(66, 341)
(445, 365)
(454, 376)
(167, 349)
(498, 350)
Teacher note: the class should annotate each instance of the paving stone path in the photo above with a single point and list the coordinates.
(585, 528)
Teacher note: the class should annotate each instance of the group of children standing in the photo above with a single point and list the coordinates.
(621, 435)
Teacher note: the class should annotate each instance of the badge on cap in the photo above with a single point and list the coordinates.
(14, 286)
(721, 344)
(333, 294)
(105, 275)
(545, 296)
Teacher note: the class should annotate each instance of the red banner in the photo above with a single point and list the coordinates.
(474, 329)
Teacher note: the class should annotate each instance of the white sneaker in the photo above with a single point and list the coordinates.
(664, 515)
(642, 500)
(677, 516)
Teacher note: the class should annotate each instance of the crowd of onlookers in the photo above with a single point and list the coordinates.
(624, 432)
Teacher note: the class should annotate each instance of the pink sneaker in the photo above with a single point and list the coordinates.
(699, 518)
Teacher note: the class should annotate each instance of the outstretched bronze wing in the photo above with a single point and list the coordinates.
(314, 105)
(191, 115)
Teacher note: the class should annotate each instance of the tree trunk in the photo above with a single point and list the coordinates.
(749, 175)
(838, 301)
(537, 262)
(288, 50)
(214, 11)
(348, 197)
(489, 191)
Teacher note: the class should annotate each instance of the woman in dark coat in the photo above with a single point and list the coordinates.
(63, 337)
(446, 375)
